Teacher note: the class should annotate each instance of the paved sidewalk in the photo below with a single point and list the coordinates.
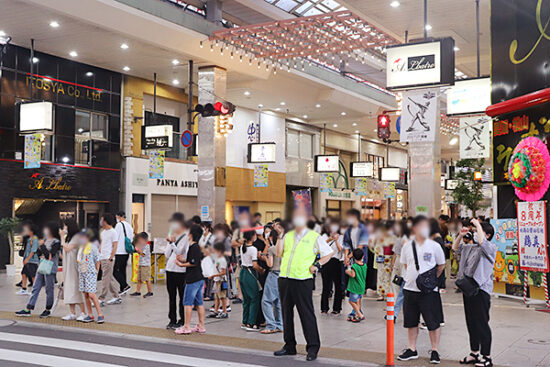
(521, 336)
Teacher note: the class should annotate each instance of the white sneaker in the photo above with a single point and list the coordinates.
(114, 301)
(81, 317)
(23, 292)
(69, 317)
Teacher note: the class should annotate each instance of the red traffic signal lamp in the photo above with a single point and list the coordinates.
(384, 127)
(477, 176)
(216, 109)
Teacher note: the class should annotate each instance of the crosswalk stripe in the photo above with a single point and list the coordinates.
(121, 351)
(48, 360)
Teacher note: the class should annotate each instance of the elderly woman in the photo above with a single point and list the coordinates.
(71, 293)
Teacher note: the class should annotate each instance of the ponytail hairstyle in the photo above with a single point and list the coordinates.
(248, 237)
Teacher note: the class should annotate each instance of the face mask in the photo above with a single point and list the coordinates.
(476, 240)
(46, 233)
(334, 228)
(424, 232)
(409, 225)
(299, 221)
(351, 221)
(101, 223)
(343, 230)
(267, 233)
(259, 231)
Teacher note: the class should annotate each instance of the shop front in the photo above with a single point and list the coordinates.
(149, 203)
(76, 166)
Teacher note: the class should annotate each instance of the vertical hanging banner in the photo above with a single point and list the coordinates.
(302, 198)
(475, 137)
(253, 132)
(261, 173)
(326, 183)
(389, 190)
(533, 253)
(33, 151)
(419, 117)
(156, 164)
(361, 186)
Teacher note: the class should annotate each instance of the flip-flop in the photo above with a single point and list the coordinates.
(268, 331)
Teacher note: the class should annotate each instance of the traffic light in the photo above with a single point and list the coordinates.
(384, 127)
(477, 176)
(216, 109)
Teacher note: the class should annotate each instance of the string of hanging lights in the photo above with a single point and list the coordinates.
(332, 38)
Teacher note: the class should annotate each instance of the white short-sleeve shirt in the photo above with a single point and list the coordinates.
(248, 257)
(429, 254)
(108, 238)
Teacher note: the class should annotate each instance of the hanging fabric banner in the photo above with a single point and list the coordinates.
(533, 253)
(475, 137)
(420, 114)
(302, 198)
(33, 151)
(326, 182)
(389, 190)
(361, 186)
(261, 173)
(156, 164)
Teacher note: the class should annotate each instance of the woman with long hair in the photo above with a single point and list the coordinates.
(249, 283)
(48, 253)
(72, 296)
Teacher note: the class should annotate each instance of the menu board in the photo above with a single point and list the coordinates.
(533, 253)
(362, 169)
(327, 163)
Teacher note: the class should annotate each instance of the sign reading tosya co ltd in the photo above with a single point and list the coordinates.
(421, 64)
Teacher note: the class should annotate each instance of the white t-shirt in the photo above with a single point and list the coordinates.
(249, 256)
(429, 254)
(332, 244)
(120, 247)
(108, 237)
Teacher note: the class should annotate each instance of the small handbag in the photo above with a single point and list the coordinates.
(426, 281)
(468, 286)
(45, 267)
(128, 245)
(398, 280)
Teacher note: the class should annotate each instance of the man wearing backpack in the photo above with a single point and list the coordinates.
(124, 230)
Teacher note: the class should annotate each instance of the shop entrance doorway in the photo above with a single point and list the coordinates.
(41, 211)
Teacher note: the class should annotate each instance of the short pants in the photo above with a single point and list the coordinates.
(29, 269)
(144, 273)
(426, 304)
(355, 297)
(192, 296)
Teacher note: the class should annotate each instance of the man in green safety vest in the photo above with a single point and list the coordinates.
(299, 250)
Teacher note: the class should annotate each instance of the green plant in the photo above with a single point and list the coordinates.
(468, 191)
(7, 228)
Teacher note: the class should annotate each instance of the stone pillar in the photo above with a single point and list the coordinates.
(425, 175)
(211, 146)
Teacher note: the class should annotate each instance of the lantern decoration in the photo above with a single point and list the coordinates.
(529, 169)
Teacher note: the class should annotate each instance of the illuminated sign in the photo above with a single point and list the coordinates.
(451, 184)
(157, 137)
(390, 174)
(469, 96)
(327, 163)
(362, 169)
(48, 183)
(36, 116)
(58, 86)
(261, 152)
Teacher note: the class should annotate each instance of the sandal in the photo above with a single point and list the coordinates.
(356, 320)
(269, 331)
(484, 362)
(199, 330)
(475, 359)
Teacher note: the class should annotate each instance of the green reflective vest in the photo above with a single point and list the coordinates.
(298, 257)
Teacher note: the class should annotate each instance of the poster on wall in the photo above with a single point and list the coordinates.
(156, 164)
(533, 253)
(302, 198)
(475, 137)
(33, 151)
(361, 186)
(419, 117)
(261, 175)
(326, 182)
(253, 132)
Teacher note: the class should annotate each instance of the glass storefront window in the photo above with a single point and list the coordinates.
(293, 143)
(299, 144)
(306, 146)
(89, 127)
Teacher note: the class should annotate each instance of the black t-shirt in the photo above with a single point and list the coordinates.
(194, 256)
(260, 245)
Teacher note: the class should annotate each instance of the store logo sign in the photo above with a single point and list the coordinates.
(48, 183)
(421, 63)
(398, 65)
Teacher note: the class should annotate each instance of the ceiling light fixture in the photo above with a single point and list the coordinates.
(343, 114)
(357, 131)
(283, 103)
(175, 62)
(3, 34)
(277, 109)
(35, 60)
(73, 54)
(456, 48)
(124, 46)
(318, 105)
(246, 93)
(428, 27)
(89, 73)
(395, 4)
(335, 125)
(453, 140)
(175, 82)
(54, 24)
(354, 124)
(126, 68)
(260, 105)
(304, 116)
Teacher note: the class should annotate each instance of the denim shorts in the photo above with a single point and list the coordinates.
(192, 296)
(355, 297)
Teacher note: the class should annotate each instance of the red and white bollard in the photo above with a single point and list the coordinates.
(525, 287)
(545, 284)
(390, 317)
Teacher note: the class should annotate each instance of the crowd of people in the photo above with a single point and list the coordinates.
(271, 268)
